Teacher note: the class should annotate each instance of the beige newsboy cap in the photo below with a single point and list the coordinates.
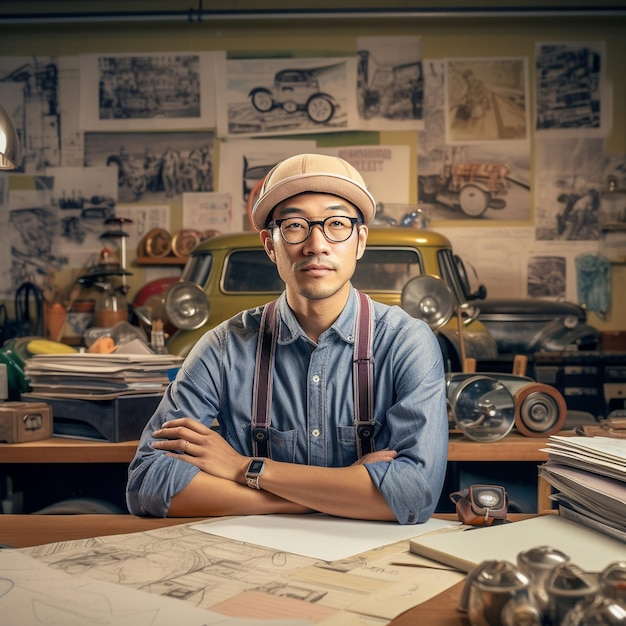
(318, 173)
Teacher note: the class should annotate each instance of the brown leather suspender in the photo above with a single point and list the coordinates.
(264, 371)
(363, 377)
(362, 374)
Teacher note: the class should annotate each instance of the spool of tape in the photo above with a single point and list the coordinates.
(540, 410)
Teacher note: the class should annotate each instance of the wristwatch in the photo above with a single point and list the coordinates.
(254, 471)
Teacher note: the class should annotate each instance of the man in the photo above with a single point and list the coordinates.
(312, 214)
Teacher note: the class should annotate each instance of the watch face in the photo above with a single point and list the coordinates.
(256, 465)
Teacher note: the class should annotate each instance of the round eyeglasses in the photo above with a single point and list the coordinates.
(336, 228)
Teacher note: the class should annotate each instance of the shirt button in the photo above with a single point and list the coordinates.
(315, 432)
(316, 378)
(350, 338)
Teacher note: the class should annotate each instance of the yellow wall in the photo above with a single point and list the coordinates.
(441, 37)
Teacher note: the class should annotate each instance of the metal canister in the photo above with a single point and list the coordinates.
(538, 564)
(498, 594)
(567, 585)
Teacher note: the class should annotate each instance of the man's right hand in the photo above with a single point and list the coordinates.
(374, 457)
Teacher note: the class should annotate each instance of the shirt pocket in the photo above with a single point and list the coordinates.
(346, 445)
(283, 445)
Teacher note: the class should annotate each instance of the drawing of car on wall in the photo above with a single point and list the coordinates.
(391, 91)
(297, 90)
(471, 186)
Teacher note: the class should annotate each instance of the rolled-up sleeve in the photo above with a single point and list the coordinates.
(411, 384)
(153, 476)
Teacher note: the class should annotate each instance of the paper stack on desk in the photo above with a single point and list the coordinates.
(589, 475)
(99, 376)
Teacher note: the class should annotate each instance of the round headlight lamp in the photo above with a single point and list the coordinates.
(186, 305)
(570, 321)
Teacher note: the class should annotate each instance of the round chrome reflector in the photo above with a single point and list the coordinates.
(428, 298)
(186, 305)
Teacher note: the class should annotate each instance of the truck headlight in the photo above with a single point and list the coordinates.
(186, 305)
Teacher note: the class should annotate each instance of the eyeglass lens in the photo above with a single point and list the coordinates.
(298, 229)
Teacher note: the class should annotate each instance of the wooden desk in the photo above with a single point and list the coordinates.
(438, 611)
(23, 531)
(514, 447)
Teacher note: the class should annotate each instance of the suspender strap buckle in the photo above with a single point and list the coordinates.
(365, 431)
(260, 440)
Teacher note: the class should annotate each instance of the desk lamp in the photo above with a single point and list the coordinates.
(9, 143)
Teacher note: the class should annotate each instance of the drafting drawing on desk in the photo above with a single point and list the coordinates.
(240, 579)
(177, 565)
(173, 562)
(32, 593)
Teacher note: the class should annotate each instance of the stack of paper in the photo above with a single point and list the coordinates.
(589, 476)
(99, 376)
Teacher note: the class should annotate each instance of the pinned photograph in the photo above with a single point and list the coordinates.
(570, 85)
(165, 90)
(486, 100)
(390, 83)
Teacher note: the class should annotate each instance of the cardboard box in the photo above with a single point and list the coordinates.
(121, 419)
(25, 421)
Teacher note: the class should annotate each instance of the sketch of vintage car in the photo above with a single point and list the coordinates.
(297, 90)
(391, 91)
(472, 186)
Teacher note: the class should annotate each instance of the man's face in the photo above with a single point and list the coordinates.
(316, 268)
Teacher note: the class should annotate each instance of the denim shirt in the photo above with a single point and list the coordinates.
(312, 411)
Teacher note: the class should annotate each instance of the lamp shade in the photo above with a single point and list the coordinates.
(9, 143)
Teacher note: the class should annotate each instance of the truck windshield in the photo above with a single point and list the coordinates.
(386, 269)
(197, 269)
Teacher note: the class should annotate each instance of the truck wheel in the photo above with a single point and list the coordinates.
(423, 195)
(473, 200)
(320, 109)
(290, 106)
(262, 101)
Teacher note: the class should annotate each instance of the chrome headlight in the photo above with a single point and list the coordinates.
(428, 298)
(186, 305)
(570, 321)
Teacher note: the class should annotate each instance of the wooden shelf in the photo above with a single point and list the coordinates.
(514, 447)
(165, 260)
(61, 450)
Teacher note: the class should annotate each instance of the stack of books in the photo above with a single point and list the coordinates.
(87, 376)
(589, 478)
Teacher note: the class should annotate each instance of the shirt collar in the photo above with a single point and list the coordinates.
(343, 326)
